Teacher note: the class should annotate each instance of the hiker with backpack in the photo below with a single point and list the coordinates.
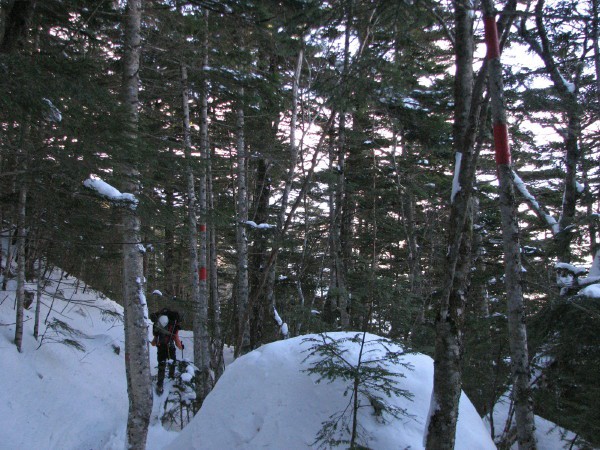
(166, 338)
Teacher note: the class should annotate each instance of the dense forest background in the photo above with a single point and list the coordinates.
(299, 158)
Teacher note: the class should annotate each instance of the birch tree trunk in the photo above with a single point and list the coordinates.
(243, 328)
(197, 261)
(510, 235)
(137, 363)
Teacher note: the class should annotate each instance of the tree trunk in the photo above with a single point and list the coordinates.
(38, 299)
(339, 269)
(243, 329)
(197, 261)
(570, 193)
(217, 360)
(259, 259)
(16, 24)
(137, 363)
(289, 181)
(447, 384)
(510, 235)
(21, 236)
(169, 255)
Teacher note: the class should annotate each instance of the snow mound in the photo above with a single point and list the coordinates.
(266, 399)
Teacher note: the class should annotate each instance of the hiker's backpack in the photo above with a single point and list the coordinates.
(165, 331)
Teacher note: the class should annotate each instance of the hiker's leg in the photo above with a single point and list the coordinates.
(162, 362)
(172, 362)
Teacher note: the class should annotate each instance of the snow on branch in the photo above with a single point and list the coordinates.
(52, 113)
(111, 193)
(262, 226)
(283, 327)
(533, 203)
(567, 278)
(455, 182)
(593, 276)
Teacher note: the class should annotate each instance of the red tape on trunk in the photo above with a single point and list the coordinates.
(202, 273)
(501, 144)
(491, 37)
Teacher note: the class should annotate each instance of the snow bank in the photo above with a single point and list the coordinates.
(265, 400)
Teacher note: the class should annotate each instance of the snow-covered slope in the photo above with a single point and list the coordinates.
(56, 396)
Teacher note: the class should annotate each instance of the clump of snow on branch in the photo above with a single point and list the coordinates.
(283, 327)
(261, 226)
(52, 114)
(570, 268)
(111, 193)
(142, 298)
(567, 276)
(593, 290)
(455, 183)
(592, 281)
(568, 85)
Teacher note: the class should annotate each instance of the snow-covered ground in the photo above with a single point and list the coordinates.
(56, 396)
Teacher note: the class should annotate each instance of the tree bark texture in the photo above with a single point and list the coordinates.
(137, 363)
